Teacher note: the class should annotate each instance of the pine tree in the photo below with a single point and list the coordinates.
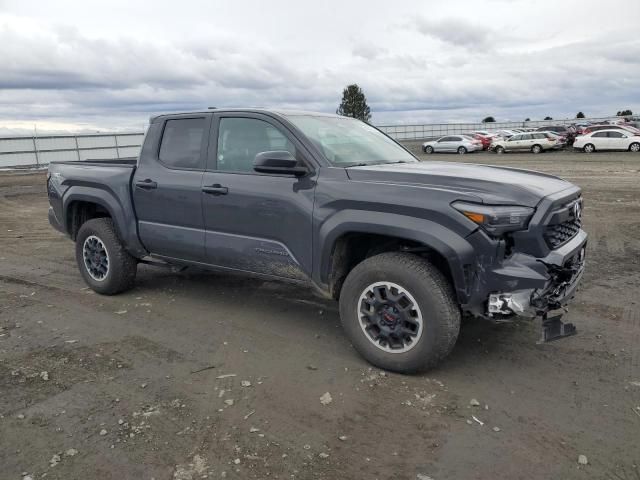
(354, 104)
(580, 115)
(488, 120)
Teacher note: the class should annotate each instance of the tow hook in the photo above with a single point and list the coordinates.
(554, 328)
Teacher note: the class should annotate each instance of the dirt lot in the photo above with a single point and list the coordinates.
(152, 383)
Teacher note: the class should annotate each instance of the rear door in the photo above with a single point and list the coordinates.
(256, 222)
(167, 187)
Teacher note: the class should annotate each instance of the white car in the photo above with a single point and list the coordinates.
(608, 140)
(453, 144)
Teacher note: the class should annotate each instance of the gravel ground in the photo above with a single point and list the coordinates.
(199, 375)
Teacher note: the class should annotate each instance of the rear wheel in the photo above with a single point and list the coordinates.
(589, 148)
(104, 263)
(428, 149)
(634, 147)
(399, 312)
(462, 150)
(536, 149)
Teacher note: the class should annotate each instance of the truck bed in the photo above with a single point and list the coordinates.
(102, 162)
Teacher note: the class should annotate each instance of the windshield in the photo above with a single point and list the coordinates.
(347, 142)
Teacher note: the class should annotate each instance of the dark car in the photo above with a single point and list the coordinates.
(568, 132)
(406, 247)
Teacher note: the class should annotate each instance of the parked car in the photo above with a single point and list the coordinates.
(452, 144)
(626, 127)
(562, 140)
(612, 139)
(568, 131)
(485, 140)
(405, 247)
(506, 133)
(580, 128)
(535, 142)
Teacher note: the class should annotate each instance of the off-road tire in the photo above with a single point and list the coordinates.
(433, 294)
(121, 273)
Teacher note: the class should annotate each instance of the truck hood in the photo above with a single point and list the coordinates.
(491, 185)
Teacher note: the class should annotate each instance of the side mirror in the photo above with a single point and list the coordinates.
(278, 161)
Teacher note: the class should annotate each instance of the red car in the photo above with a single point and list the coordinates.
(484, 139)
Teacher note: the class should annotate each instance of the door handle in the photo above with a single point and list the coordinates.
(215, 189)
(146, 184)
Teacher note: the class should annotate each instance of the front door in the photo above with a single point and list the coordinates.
(167, 188)
(256, 222)
(616, 140)
(445, 144)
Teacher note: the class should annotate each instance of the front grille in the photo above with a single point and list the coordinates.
(560, 233)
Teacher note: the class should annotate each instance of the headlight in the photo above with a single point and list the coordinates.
(496, 219)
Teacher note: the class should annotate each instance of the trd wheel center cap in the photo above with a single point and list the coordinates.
(389, 316)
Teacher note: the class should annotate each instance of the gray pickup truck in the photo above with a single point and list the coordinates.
(406, 247)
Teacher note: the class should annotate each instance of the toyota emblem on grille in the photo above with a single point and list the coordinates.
(577, 210)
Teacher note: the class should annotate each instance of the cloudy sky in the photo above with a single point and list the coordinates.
(89, 65)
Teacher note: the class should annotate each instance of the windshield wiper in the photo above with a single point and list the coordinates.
(357, 165)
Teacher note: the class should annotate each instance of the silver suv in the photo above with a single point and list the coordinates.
(534, 142)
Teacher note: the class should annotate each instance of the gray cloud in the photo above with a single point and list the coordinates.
(456, 31)
(445, 69)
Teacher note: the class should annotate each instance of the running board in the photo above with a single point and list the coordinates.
(159, 263)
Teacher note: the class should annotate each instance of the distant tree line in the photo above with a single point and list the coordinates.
(354, 104)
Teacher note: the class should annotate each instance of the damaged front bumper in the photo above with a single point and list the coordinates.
(535, 302)
(527, 286)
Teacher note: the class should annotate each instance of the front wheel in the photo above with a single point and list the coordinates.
(499, 150)
(399, 311)
(462, 150)
(634, 147)
(428, 149)
(104, 263)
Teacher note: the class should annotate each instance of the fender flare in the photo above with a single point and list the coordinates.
(452, 246)
(123, 216)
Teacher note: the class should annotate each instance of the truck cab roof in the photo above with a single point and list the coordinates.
(269, 111)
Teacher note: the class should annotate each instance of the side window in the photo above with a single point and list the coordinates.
(241, 139)
(515, 138)
(456, 139)
(444, 139)
(616, 134)
(181, 143)
(527, 136)
(599, 134)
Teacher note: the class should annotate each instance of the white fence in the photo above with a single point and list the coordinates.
(40, 150)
